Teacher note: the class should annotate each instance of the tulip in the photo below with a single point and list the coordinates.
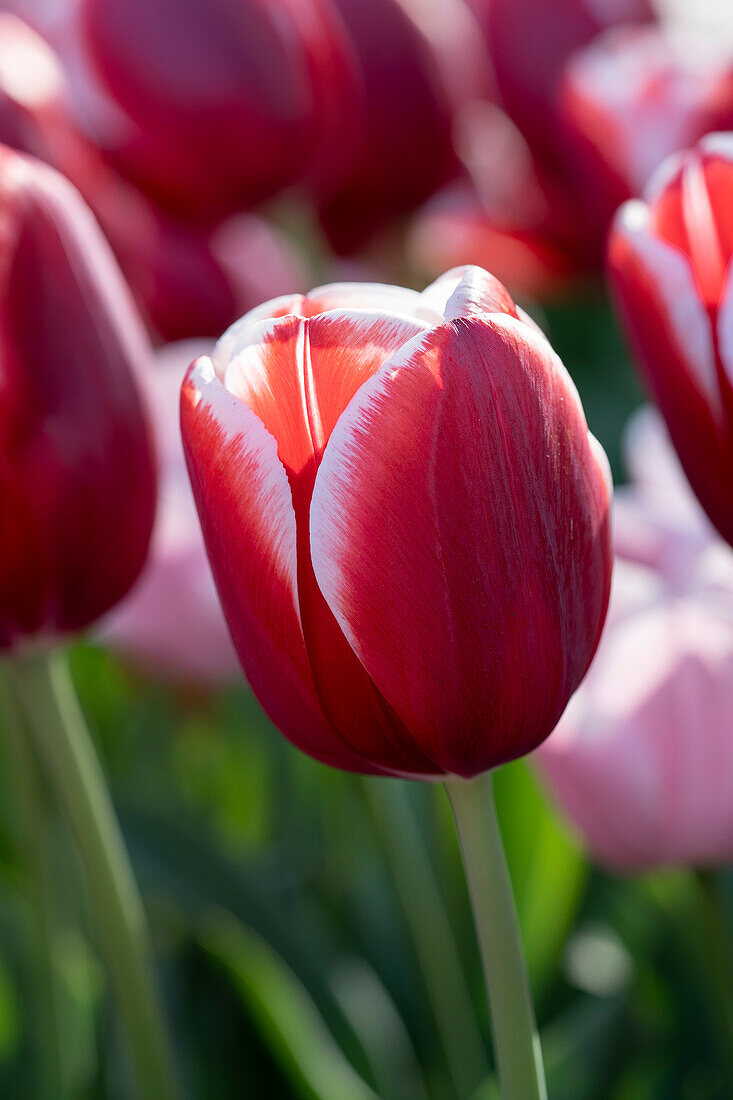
(407, 521)
(229, 100)
(77, 481)
(418, 64)
(191, 280)
(668, 261)
(77, 501)
(645, 774)
(636, 95)
(530, 42)
(171, 623)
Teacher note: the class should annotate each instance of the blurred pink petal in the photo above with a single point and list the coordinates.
(171, 624)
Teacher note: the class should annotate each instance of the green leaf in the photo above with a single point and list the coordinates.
(283, 1012)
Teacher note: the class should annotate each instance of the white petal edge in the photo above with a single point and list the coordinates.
(673, 277)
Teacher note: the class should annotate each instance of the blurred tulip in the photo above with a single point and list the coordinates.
(187, 279)
(35, 116)
(171, 624)
(530, 43)
(419, 63)
(231, 100)
(77, 482)
(636, 95)
(669, 267)
(642, 761)
(407, 521)
(508, 216)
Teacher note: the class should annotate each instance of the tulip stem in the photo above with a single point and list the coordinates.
(43, 686)
(31, 810)
(516, 1040)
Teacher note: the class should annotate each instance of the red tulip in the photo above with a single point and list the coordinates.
(77, 482)
(531, 41)
(669, 262)
(418, 62)
(232, 99)
(191, 280)
(407, 521)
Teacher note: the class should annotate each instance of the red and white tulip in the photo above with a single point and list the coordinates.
(407, 521)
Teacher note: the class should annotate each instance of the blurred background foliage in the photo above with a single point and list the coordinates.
(312, 928)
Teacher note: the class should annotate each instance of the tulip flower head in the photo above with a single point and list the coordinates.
(669, 263)
(77, 471)
(407, 521)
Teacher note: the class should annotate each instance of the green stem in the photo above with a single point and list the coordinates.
(30, 814)
(44, 687)
(516, 1041)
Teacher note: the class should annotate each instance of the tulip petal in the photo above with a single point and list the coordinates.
(468, 291)
(672, 336)
(464, 469)
(247, 516)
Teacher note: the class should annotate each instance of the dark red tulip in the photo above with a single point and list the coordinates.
(407, 521)
(77, 479)
(531, 41)
(232, 99)
(418, 64)
(669, 263)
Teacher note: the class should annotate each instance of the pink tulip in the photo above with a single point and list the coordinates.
(642, 762)
(171, 623)
(668, 262)
(407, 521)
(77, 483)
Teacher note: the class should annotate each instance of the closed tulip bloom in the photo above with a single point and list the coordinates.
(669, 263)
(232, 99)
(531, 41)
(418, 64)
(407, 522)
(77, 480)
(645, 774)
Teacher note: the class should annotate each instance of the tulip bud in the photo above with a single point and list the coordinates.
(531, 41)
(233, 99)
(407, 521)
(77, 482)
(418, 63)
(669, 268)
